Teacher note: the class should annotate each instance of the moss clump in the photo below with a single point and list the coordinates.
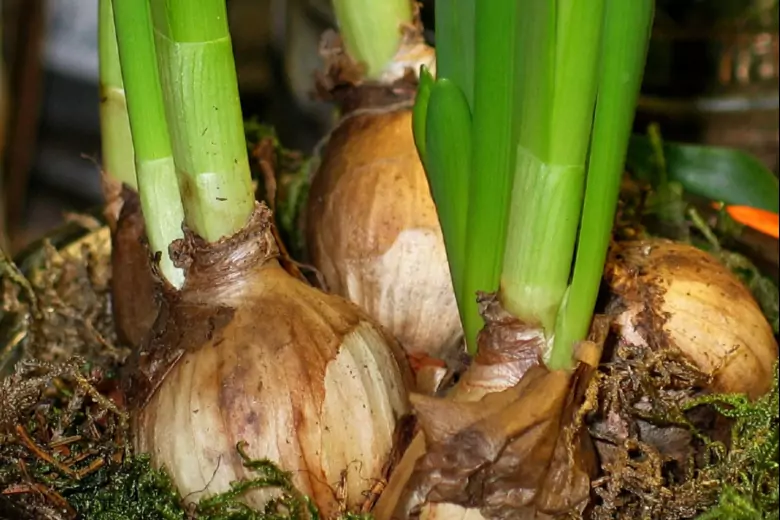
(668, 451)
(130, 490)
(290, 505)
(750, 470)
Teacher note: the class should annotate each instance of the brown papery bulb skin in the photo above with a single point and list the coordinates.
(374, 234)
(134, 289)
(673, 294)
(306, 379)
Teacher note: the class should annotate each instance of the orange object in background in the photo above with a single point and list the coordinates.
(761, 220)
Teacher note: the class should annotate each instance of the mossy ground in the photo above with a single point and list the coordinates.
(64, 450)
(668, 450)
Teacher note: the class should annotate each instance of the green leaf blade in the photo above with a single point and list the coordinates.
(626, 35)
(493, 153)
(455, 44)
(719, 174)
(448, 144)
(420, 111)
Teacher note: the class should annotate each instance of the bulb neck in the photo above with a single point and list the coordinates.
(507, 349)
(219, 277)
(212, 268)
(343, 81)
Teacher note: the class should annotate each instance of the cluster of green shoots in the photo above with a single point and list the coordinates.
(523, 135)
(171, 119)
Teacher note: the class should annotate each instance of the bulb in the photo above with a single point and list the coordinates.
(678, 295)
(373, 231)
(306, 379)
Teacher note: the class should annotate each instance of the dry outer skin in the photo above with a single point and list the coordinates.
(513, 453)
(373, 231)
(245, 352)
(134, 290)
(673, 294)
(508, 349)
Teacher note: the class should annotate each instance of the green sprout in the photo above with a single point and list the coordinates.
(117, 142)
(200, 94)
(523, 135)
(154, 163)
(372, 30)
(172, 119)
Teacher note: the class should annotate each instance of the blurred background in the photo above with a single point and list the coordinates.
(712, 77)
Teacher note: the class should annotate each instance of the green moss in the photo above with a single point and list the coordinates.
(132, 489)
(734, 506)
(291, 504)
(749, 471)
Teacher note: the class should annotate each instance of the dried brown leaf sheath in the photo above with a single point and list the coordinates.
(518, 453)
(134, 289)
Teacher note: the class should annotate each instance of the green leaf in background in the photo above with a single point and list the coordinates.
(719, 174)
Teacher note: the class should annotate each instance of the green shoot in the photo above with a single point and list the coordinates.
(203, 110)
(554, 87)
(455, 44)
(372, 30)
(420, 112)
(492, 160)
(117, 143)
(559, 48)
(626, 33)
(468, 152)
(448, 138)
(155, 168)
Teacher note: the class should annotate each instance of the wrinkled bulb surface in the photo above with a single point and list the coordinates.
(304, 378)
(373, 231)
(678, 295)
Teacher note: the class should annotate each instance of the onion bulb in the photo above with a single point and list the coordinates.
(247, 353)
(373, 231)
(676, 295)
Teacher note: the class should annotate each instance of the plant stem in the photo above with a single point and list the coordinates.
(117, 143)
(455, 44)
(559, 51)
(371, 30)
(157, 184)
(493, 154)
(200, 92)
(626, 34)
